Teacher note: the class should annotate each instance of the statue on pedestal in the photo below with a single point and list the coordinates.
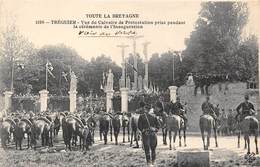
(73, 82)
(110, 80)
(190, 81)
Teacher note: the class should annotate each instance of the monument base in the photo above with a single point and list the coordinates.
(73, 101)
(173, 93)
(109, 96)
(193, 158)
(7, 101)
(43, 100)
(124, 100)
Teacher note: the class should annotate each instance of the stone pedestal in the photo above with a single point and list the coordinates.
(7, 100)
(193, 158)
(109, 96)
(173, 93)
(73, 101)
(43, 100)
(124, 99)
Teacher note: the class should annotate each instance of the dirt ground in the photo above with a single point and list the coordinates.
(111, 155)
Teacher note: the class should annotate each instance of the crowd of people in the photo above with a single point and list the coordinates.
(205, 81)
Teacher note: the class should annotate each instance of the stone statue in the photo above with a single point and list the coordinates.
(73, 82)
(110, 80)
(190, 81)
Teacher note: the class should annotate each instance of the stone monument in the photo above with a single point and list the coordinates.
(173, 93)
(43, 100)
(7, 100)
(190, 81)
(110, 80)
(109, 91)
(124, 99)
(73, 92)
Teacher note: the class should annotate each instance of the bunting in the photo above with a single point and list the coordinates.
(49, 68)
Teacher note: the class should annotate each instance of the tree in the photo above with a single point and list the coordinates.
(213, 46)
(98, 66)
(15, 51)
(63, 59)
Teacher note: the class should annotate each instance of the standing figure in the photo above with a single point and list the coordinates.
(110, 80)
(148, 125)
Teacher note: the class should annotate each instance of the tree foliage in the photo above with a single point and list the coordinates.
(215, 44)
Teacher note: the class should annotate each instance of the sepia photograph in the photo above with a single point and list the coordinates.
(129, 83)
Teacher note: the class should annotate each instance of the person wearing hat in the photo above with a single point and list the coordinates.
(141, 108)
(178, 109)
(149, 125)
(208, 108)
(244, 109)
(175, 107)
(159, 106)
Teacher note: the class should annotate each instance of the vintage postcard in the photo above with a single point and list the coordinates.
(129, 83)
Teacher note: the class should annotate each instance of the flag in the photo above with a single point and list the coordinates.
(21, 66)
(49, 68)
(180, 57)
(64, 75)
(177, 53)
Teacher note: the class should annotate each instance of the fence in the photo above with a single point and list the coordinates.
(55, 103)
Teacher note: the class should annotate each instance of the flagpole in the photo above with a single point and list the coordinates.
(46, 75)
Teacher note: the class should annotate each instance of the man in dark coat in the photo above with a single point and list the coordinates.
(159, 107)
(208, 108)
(148, 125)
(178, 109)
(244, 109)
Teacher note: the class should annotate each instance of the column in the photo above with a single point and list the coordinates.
(43, 100)
(73, 101)
(140, 82)
(173, 93)
(7, 101)
(124, 99)
(109, 96)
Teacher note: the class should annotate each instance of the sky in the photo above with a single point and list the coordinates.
(163, 38)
